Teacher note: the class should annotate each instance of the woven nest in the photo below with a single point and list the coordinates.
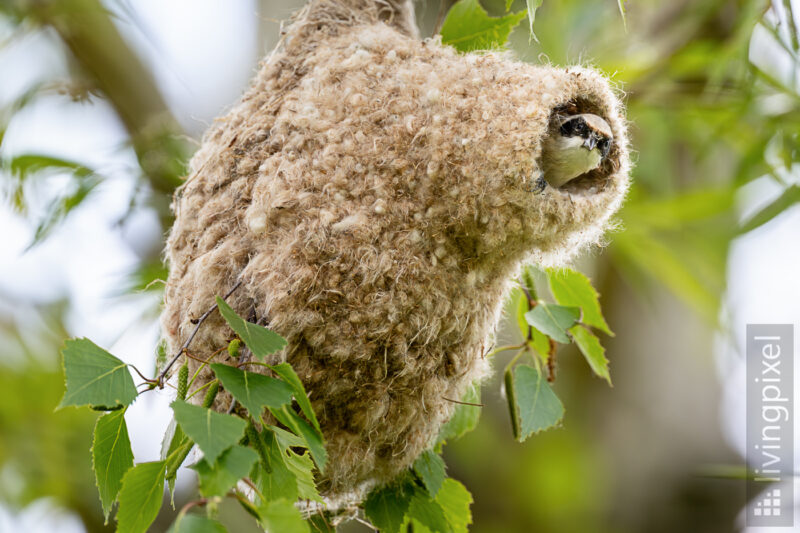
(375, 195)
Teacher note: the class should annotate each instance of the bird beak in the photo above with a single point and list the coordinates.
(590, 143)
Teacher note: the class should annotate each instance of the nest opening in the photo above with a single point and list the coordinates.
(595, 180)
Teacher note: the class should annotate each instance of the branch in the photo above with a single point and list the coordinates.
(185, 345)
(86, 29)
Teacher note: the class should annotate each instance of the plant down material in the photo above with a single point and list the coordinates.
(375, 194)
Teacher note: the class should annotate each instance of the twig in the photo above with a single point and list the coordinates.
(463, 403)
(551, 362)
(516, 357)
(188, 354)
(186, 344)
(444, 7)
(147, 380)
(531, 304)
(247, 481)
(232, 406)
(531, 301)
(194, 503)
(362, 521)
(503, 349)
(198, 389)
(203, 365)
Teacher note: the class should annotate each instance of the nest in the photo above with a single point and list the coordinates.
(375, 195)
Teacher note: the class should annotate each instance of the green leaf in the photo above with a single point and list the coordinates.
(668, 265)
(261, 341)
(111, 456)
(592, 350)
(281, 516)
(677, 211)
(175, 447)
(95, 377)
(539, 341)
(62, 206)
(455, 500)
(276, 480)
(532, 403)
(533, 5)
(213, 432)
(286, 416)
(82, 183)
(140, 497)
(431, 470)
(287, 439)
(26, 164)
(192, 523)
(231, 466)
(386, 506)
(287, 374)
(553, 320)
(253, 390)
(302, 467)
(428, 513)
(465, 417)
(469, 27)
(171, 439)
(174, 438)
(789, 197)
(572, 288)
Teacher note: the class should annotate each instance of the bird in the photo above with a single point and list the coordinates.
(576, 145)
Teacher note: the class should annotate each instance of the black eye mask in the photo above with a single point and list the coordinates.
(575, 126)
(605, 146)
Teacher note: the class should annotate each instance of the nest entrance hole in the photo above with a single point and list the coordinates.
(595, 180)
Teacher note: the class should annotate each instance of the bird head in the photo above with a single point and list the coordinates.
(578, 144)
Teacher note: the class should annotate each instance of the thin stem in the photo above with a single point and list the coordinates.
(194, 503)
(463, 403)
(364, 522)
(531, 300)
(204, 363)
(249, 483)
(188, 341)
(514, 359)
(551, 361)
(505, 348)
(200, 389)
(146, 380)
(531, 304)
(194, 357)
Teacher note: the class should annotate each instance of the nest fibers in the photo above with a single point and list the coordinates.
(375, 194)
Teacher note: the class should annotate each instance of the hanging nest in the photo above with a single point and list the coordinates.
(375, 194)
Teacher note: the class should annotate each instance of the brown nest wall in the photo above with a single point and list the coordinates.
(375, 194)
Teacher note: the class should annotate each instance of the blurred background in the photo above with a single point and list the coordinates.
(102, 103)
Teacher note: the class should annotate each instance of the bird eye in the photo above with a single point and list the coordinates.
(605, 146)
(574, 126)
